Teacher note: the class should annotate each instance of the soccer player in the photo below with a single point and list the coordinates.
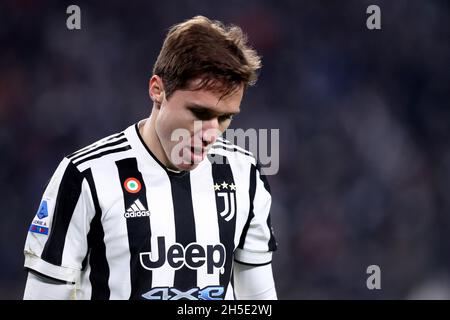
(165, 209)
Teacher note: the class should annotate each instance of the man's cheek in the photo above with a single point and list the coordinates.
(180, 138)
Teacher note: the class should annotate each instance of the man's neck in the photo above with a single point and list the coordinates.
(148, 133)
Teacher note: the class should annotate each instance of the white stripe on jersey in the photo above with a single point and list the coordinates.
(91, 154)
(106, 159)
(204, 204)
(109, 193)
(78, 228)
(159, 199)
(110, 138)
(230, 147)
(253, 247)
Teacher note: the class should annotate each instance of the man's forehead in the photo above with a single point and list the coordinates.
(214, 102)
(216, 86)
(200, 81)
(213, 99)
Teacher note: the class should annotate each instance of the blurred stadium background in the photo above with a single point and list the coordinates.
(364, 121)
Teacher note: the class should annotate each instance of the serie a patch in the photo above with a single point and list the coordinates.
(43, 210)
(38, 229)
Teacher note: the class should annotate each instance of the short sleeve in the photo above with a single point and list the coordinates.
(56, 243)
(257, 240)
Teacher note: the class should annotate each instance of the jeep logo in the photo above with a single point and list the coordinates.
(193, 256)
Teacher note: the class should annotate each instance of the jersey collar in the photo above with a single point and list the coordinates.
(143, 150)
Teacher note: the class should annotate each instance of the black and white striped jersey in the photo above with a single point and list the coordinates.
(120, 225)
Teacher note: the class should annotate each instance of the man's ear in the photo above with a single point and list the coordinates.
(156, 90)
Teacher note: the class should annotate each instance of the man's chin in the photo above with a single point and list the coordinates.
(189, 162)
(187, 166)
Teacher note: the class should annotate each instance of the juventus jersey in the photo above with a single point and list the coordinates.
(119, 224)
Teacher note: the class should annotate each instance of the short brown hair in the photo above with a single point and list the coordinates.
(205, 49)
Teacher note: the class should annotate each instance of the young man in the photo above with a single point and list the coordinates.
(165, 209)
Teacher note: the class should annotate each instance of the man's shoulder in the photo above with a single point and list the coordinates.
(98, 151)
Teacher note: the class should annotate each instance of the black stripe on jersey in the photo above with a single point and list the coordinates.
(251, 214)
(99, 274)
(185, 278)
(233, 286)
(101, 154)
(47, 279)
(272, 241)
(139, 231)
(233, 149)
(253, 264)
(219, 139)
(117, 135)
(263, 177)
(102, 146)
(222, 174)
(68, 194)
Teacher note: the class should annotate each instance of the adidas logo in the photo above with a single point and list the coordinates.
(136, 210)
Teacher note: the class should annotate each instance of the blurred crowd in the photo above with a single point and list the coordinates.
(364, 121)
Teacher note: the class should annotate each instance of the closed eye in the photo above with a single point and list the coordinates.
(201, 114)
(205, 114)
(226, 117)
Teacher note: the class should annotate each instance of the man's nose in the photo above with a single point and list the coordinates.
(210, 131)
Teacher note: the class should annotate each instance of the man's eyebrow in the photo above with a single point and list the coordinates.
(208, 109)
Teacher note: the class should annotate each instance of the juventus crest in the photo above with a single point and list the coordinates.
(225, 199)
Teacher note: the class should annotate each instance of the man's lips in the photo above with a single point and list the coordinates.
(198, 150)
